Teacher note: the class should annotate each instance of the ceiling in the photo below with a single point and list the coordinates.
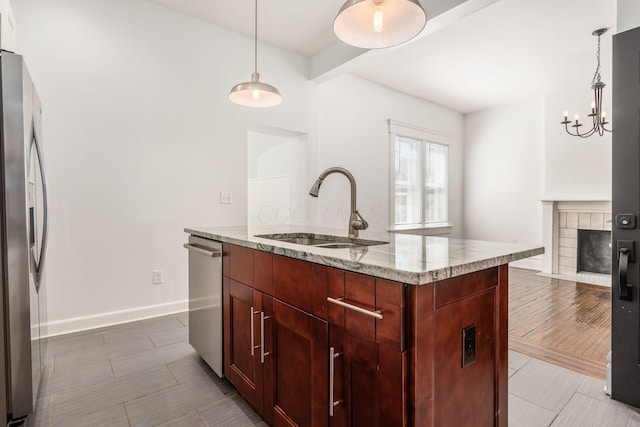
(507, 51)
(300, 26)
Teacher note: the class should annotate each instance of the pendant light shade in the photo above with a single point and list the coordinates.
(375, 24)
(255, 93)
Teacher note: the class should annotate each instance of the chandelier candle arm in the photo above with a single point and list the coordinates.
(598, 115)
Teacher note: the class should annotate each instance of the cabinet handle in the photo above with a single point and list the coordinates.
(377, 314)
(262, 352)
(252, 332)
(332, 361)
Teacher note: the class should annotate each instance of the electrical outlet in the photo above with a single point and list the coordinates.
(225, 198)
(158, 277)
(468, 345)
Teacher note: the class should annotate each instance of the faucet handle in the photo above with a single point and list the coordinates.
(358, 222)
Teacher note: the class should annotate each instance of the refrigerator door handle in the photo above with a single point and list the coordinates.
(624, 290)
(45, 211)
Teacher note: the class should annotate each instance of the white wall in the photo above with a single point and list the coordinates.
(504, 175)
(353, 133)
(628, 15)
(140, 139)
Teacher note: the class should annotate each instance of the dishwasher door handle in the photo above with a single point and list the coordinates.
(202, 250)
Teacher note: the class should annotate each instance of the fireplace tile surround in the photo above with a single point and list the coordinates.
(561, 221)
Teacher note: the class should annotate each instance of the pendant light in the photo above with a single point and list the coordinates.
(255, 93)
(375, 24)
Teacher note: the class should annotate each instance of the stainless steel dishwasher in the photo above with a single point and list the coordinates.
(205, 300)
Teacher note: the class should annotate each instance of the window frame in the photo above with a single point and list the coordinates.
(425, 136)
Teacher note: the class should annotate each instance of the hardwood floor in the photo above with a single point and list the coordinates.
(563, 322)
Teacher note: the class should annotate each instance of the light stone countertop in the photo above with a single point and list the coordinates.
(410, 259)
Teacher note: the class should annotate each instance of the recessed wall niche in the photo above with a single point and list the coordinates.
(277, 177)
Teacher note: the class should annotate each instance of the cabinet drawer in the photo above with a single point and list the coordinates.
(292, 282)
(375, 296)
(241, 264)
(250, 267)
(462, 287)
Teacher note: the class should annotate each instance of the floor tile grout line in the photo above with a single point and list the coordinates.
(173, 374)
(97, 410)
(202, 418)
(535, 404)
(50, 412)
(564, 406)
(76, 349)
(126, 413)
(113, 373)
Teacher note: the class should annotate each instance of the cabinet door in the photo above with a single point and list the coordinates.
(242, 308)
(299, 366)
(368, 387)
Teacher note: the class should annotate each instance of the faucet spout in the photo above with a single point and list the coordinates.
(356, 221)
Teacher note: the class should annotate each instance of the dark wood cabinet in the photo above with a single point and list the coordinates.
(367, 383)
(299, 368)
(242, 364)
(309, 345)
(275, 354)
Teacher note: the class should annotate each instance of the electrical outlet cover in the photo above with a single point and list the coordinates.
(468, 345)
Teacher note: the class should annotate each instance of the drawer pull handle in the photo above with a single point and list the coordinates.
(377, 314)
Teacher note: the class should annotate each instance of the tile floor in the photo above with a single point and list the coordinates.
(146, 374)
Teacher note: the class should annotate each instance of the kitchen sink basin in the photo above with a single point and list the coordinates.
(321, 241)
(338, 245)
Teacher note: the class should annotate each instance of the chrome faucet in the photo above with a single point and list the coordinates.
(356, 222)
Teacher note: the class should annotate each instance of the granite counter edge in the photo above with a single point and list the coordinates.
(388, 273)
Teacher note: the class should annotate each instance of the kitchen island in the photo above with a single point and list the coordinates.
(412, 332)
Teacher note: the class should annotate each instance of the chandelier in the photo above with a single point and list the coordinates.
(598, 115)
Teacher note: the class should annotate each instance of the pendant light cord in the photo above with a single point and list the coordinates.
(255, 44)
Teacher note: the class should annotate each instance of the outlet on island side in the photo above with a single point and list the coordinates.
(468, 345)
(158, 277)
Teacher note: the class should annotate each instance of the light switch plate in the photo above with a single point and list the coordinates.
(158, 277)
(226, 198)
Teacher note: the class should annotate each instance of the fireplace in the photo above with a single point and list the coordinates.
(562, 222)
(594, 251)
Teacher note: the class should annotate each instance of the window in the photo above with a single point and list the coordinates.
(419, 180)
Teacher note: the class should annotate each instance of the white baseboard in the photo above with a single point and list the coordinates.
(77, 324)
(533, 263)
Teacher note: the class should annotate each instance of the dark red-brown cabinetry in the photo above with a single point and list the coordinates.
(311, 345)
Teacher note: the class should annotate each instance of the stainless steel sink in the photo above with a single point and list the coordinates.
(338, 245)
(321, 240)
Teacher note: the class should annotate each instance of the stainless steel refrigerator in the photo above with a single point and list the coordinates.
(23, 238)
(625, 304)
